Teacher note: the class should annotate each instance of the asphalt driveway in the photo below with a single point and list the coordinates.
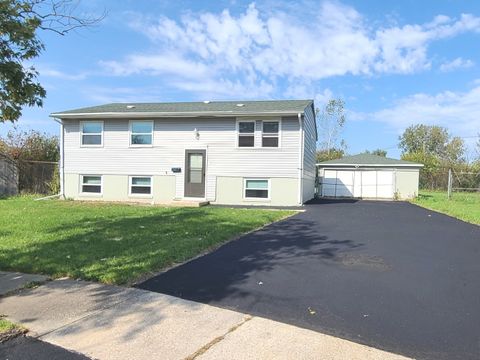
(387, 274)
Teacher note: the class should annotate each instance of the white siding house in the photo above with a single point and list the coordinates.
(248, 153)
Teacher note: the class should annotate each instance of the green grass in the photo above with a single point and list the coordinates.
(464, 206)
(7, 326)
(113, 243)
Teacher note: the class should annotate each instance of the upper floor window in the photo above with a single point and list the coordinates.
(141, 133)
(270, 130)
(91, 133)
(246, 133)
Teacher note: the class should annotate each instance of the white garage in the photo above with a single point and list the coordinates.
(368, 176)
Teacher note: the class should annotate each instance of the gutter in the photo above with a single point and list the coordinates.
(62, 160)
(320, 165)
(300, 159)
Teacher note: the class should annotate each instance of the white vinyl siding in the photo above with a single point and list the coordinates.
(171, 137)
(309, 154)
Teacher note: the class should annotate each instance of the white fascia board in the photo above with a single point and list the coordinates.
(368, 165)
(143, 115)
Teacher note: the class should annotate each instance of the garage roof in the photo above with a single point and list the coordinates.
(368, 160)
(187, 109)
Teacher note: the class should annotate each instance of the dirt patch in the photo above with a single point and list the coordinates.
(364, 260)
(10, 334)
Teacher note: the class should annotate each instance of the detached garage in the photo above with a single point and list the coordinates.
(368, 176)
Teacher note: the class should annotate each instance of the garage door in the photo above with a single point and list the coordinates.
(358, 183)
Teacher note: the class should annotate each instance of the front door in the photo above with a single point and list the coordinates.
(195, 173)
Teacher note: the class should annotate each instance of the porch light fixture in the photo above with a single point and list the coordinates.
(197, 134)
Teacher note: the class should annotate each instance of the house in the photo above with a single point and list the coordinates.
(369, 177)
(223, 152)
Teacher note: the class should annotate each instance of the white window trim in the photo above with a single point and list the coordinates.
(279, 121)
(238, 134)
(80, 191)
(255, 198)
(140, 195)
(130, 133)
(256, 145)
(81, 134)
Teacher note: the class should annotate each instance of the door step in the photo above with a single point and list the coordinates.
(189, 203)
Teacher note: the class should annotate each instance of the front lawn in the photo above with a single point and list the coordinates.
(464, 206)
(113, 243)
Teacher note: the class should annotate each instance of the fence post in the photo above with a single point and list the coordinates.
(449, 190)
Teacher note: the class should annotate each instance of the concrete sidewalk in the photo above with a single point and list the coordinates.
(109, 322)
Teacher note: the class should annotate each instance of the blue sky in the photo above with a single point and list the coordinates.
(395, 63)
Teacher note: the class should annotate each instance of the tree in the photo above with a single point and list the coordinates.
(429, 172)
(478, 148)
(432, 140)
(331, 120)
(20, 20)
(330, 154)
(30, 145)
(378, 152)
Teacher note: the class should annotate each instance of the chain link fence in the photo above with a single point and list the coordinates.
(450, 180)
(38, 177)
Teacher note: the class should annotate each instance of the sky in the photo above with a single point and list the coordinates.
(394, 63)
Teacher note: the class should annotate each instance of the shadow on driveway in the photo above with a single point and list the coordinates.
(387, 274)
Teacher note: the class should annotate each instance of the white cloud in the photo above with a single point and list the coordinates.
(53, 73)
(457, 63)
(458, 111)
(255, 50)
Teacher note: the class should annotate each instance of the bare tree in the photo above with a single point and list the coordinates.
(331, 120)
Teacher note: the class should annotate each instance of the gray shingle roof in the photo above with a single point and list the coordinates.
(226, 107)
(368, 160)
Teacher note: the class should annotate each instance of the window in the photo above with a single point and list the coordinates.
(270, 133)
(141, 133)
(140, 185)
(256, 188)
(91, 184)
(246, 133)
(91, 133)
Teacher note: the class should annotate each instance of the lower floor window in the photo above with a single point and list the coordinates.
(91, 184)
(257, 188)
(140, 185)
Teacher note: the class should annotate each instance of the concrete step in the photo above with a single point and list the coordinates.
(189, 203)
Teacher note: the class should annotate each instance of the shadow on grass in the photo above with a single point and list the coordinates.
(120, 249)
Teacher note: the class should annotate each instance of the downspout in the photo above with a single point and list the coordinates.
(62, 155)
(300, 160)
